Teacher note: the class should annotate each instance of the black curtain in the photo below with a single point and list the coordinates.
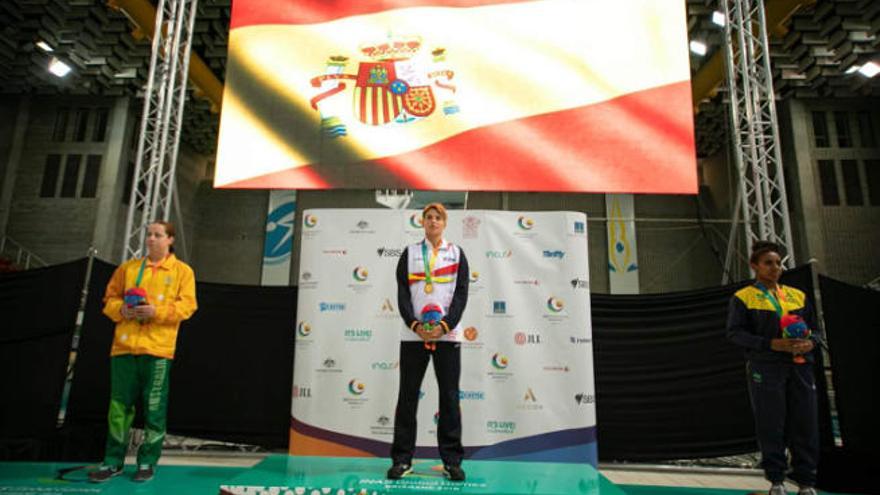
(852, 320)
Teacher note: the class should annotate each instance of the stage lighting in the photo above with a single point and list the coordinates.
(870, 69)
(58, 67)
(852, 68)
(718, 18)
(698, 47)
(42, 45)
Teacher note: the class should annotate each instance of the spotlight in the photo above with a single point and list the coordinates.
(870, 69)
(58, 67)
(718, 18)
(42, 45)
(698, 47)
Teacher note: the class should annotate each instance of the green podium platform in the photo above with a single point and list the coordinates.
(288, 475)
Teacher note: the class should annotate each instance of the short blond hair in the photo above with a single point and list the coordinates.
(435, 206)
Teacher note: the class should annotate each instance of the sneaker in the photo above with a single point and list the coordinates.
(777, 489)
(398, 471)
(454, 473)
(104, 473)
(144, 473)
(807, 490)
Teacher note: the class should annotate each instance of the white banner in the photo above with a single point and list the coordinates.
(623, 257)
(280, 229)
(527, 389)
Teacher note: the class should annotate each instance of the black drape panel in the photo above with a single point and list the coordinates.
(38, 313)
(852, 320)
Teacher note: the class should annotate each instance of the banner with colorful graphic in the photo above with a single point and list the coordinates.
(277, 246)
(527, 388)
(623, 255)
(548, 95)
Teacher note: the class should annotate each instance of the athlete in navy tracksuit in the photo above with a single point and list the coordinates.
(783, 392)
(432, 276)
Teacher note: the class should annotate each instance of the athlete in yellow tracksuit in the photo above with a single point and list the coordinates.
(143, 347)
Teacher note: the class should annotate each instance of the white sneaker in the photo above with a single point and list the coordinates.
(777, 489)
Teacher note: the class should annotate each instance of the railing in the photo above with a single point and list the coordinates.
(19, 255)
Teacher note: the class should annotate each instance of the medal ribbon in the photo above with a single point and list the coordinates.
(773, 299)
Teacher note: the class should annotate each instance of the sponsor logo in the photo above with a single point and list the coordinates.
(301, 392)
(495, 426)
(500, 361)
(383, 420)
(529, 401)
(329, 365)
(527, 281)
(385, 365)
(584, 398)
(358, 334)
(522, 338)
(331, 306)
(525, 223)
(306, 282)
(578, 283)
(335, 252)
(499, 307)
(363, 224)
(471, 395)
(306, 276)
(360, 274)
(385, 252)
(355, 387)
(303, 329)
(555, 305)
(470, 227)
(557, 367)
(579, 340)
(362, 227)
(383, 426)
(415, 221)
(554, 254)
(470, 334)
(579, 227)
(310, 221)
(387, 307)
(436, 418)
(475, 277)
(502, 254)
(530, 396)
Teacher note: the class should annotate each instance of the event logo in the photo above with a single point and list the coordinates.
(500, 361)
(522, 338)
(310, 221)
(355, 387)
(475, 277)
(471, 395)
(415, 221)
(360, 274)
(385, 365)
(358, 334)
(331, 307)
(584, 398)
(578, 283)
(496, 255)
(554, 254)
(394, 85)
(303, 329)
(385, 252)
(555, 305)
(525, 223)
(300, 392)
(470, 334)
(279, 232)
(494, 426)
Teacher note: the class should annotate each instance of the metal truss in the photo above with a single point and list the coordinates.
(159, 137)
(756, 145)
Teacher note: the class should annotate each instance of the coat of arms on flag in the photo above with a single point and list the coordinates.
(392, 86)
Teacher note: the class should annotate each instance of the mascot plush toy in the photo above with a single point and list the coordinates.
(794, 327)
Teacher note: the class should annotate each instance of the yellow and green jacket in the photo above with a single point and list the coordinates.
(171, 288)
(752, 321)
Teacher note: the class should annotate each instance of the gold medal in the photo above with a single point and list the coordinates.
(429, 288)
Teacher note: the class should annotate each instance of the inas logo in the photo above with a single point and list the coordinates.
(360, 274)
(303, 329)
(525, 223)
(499, 361)
(555, 305)
(396, 84)
(415, 221)
(470, 333)
(355, 387)
(279, 232)
(310, 221)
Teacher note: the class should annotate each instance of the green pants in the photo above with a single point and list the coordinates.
(132, 378)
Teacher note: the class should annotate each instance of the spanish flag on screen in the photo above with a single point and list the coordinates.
(492, 95)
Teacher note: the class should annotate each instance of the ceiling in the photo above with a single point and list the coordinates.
(810, 55)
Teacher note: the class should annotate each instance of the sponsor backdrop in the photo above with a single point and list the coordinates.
(527, 387)
(551, 95)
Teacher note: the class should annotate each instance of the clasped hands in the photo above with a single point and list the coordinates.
(141, 313)
(793, 346)
(429, 335)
